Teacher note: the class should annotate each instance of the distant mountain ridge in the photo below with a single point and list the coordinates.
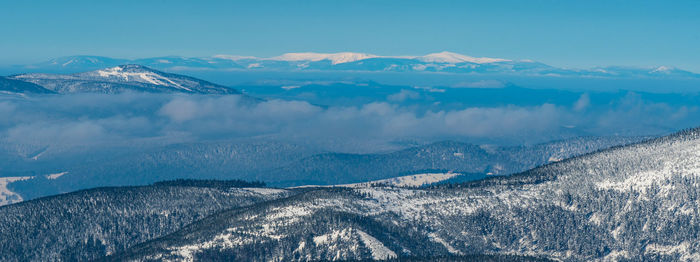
(283, 164)
(446, 62)
(120, 79)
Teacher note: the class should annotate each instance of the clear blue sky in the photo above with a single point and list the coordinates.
(561, 33)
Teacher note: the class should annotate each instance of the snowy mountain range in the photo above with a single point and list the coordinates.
(347, 57)
(629, 203)
(446, 62)
(632, 203)
(119, 79)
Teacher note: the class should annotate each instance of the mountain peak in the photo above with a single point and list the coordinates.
(663, 70)
(449, 57)
(335, 58)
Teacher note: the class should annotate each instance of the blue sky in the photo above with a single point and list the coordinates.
(561, 33)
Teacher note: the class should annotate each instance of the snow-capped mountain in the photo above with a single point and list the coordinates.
(123, 78)
(631, 203)
(336, 58)
(454, 58)
(347, 57)
(448, 62)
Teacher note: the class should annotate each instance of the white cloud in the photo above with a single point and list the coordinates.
(179, 110)
(403, 95)
(582, 103)
(124, 118)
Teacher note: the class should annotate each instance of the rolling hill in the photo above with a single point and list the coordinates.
(118, 79)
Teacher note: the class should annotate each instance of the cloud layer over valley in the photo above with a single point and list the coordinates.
(90, 119)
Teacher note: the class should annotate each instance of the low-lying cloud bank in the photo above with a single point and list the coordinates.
(89, 119)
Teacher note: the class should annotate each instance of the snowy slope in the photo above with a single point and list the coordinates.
(416, 180)
(129, 74)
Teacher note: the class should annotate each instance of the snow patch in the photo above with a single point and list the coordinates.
(290, 87)
(142, 76)
(410, 181)
(333, 236)
(554, 159)
(290, 212)
(56, 175)
(265, 191)
(616, 255)
(379, 251)
(6, 196)
(682, 249)
(596, 219)
(435, 238)
(416, 180)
